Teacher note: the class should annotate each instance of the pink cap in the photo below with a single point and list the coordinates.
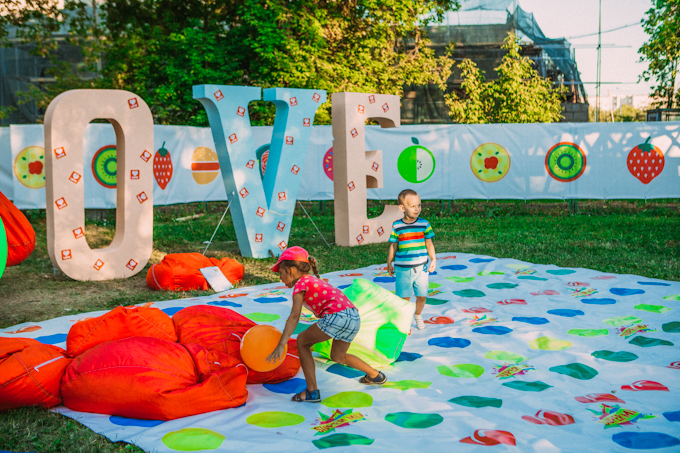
(292, 254)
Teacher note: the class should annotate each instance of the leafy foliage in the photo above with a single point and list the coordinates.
(518, 95)
(662, 50)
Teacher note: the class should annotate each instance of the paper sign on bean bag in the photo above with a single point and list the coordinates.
(149, 378)
(19, 232)
(119, 323)
(181, 272)
(30, 373)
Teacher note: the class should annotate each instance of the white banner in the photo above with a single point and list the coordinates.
(494, 161)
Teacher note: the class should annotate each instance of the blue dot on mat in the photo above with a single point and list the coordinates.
(645, 441)
(385, 279)
(344, 371)
(625, 291)
(531, 320)
(603, 301)
(270, 300)
(344, 286)
(654, 284)
(124, 421)
(172, 310)
(565, 312)
(560, 271)
(448, 342)
(482, 260)
(224, 303)
(52, 339)
(294, 385)
(433, 273)
(672, 416)
(492, 330)
(455, 267)
(408, 356)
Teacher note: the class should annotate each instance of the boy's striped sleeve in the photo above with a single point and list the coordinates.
(429, 232)
(393, 236)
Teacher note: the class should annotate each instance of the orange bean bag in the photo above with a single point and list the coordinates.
(222, 329)
(20, 233)
(30, 373)
(149, 378)
(119, 323)
(180, 272)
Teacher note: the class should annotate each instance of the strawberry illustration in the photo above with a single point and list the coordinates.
(162, 167)
(645, 162)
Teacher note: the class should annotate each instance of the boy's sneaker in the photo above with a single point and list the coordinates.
(419, 322)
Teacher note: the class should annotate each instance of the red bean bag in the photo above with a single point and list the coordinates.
(119, 323)
(20, 233)
(149, 378)
(180, 272)
(30, 373)
(222, 329)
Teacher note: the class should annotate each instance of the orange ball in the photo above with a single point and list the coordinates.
(257, 344)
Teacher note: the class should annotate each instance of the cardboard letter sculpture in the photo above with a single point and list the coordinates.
(261, 206)
(65, 121)
(355, 169)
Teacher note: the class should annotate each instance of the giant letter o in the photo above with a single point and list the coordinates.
(65, 121)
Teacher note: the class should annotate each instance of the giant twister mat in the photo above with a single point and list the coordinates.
(515, 356)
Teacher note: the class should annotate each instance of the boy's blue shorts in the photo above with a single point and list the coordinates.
(412, 279)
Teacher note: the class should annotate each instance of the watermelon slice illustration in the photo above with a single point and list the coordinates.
(416, 163)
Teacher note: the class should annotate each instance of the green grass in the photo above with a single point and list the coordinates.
(619, 237)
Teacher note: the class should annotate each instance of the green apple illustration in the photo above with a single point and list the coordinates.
(416, 163)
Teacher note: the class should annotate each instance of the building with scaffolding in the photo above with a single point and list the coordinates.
(477, 32)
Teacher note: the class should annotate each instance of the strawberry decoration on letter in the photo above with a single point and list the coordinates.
(162, 167)
(645, 161)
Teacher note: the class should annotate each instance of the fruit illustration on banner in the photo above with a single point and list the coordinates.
(645, 162)
(416, 163)
(29, 167)
(162, 167)
(105, 166)
(490, 162)
(328, 163)
(205, 165)
(262, 155)
(565, 162)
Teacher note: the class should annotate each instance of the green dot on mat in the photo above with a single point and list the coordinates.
(275, 419)
(652, 308)
(462, 370)
(560, 271)
(341, 440)
(502, 285)
(193, 439)
(433, 301)
(524, 386)
(588, 332)
(262, 317)
(469, 293)
(620, 356)
(456, 279)
(348, 399)
(505, 356)
(575, 370)
(406, 385)
(531, 277)
(672, 297)
(488, 273)
(301, 328)
(434, 285)
(549, 344)
(621, 321)
(671, 327)
(476, 401)
(645, 342)
(414, 420)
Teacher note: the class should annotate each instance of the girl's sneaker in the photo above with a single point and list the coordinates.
(419, 322)
(380, 379)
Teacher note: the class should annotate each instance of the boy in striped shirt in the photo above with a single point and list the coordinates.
(410, 246)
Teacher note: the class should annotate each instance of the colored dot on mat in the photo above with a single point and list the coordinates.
(456, 279)
(385, 279)
(262, 317)
(432, 301)
(588, 332)
(525, 386)
(448, 342)
(654, 284)
(172, 310)
(549, 344)
(602, 301)
(124, 421)
(652, 308)
(406, 385)
(433, 285)
(621, 321)
(565, 312)
(505, 356)
(672, 297)
(454, 267)
(291, 386)
(193, 439)
(672, 416)
(275, 419)
(341, 440)
(575, 370)
(560, 271)
(349, 400)
(52, 339)
(645, 440)
(529, 320)
(344, 371)
(469, 293)
(270, 300)
(301, 328)
(502, 285)
(482, 260)
(344, 286)
(489, 273)
(413, 420)
(621, 356)
(476, 401)
(492, 330)
(408, 356)
(626, 291)
(531, 277)
(224, 303)
(463, 370)
(671, 327)
(645, 342)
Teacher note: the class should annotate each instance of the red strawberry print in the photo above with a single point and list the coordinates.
(645, 162)
(162, 167)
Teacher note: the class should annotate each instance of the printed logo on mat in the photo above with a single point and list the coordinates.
(289, 140)
(351, 186)
(218, 95)
(316, 97)
(142, 197)
(258, 237)
(233, 138)
(66, 254)
(283, 245)
(59, 153)
(145, 156)
(371, 99)
(360, 239)
(98, 264)
(250, 164)
(306, 122)
(293, 101)
(243, 192)
(240, 111)
(61, 203)
(361, 109)
(75, 178)
(132, 103)
(282, 196)
(281, 226)
(380, 231)
(78, 232)
(260, 212)
(131, 265)
(354, 132)
(295, 169)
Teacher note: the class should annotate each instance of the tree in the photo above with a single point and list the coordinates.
(662, 50)
(518, 95)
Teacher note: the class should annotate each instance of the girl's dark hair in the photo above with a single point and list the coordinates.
(301, 266)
